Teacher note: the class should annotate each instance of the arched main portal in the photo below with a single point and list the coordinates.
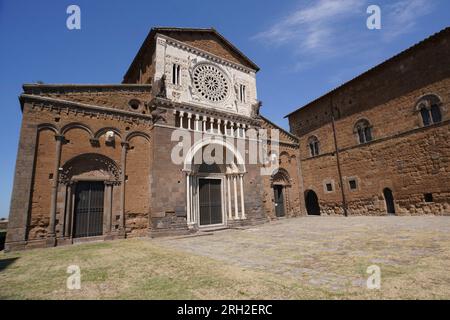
(214, 187)
(389, 200)
(312, 203)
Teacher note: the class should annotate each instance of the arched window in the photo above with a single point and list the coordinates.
(430, 110)
(313, 144)
(363, 130)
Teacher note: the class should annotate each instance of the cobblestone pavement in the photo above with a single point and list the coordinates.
(334, 252)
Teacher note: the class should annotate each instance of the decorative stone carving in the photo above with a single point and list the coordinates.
(210, 83)
(161, 91)
(255, 109)
(90, 165)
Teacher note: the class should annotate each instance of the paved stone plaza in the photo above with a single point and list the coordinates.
(334, 252)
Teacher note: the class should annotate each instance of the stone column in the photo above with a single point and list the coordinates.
(204, 118)
(225, 125)
(197, 120)
(63, 218)
(230, 212)
(108, 208)
(232, 128)
(236, 209)
(51, 228)
(68, 210)
(242, 196)
(123, 161)
(189, 117)
(188, 198)
(218, 126)
(211, 121)
(181, 119)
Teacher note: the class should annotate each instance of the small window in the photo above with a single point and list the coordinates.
(176, 74)
(436, 113)
(352, 183)
(364, 131)
(242, 93)
(428, 197)
(313, 143)
(329, 187)
(425, 116)
(430, 111)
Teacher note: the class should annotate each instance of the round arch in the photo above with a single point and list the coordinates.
(90, 166)
(198, 146)
(77, 125)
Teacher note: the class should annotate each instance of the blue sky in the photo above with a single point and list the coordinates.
(304, 48)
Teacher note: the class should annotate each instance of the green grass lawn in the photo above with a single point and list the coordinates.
(135, 269)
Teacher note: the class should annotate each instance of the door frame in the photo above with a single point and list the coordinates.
(283, 193)
(74, 208)
(393, 202)
(222, 200)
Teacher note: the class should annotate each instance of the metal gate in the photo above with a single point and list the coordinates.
(279, 201)
(88, 220)
(210, 202)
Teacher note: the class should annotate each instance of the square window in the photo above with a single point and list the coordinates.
(428, 197)
(329, 187)
(353, 185)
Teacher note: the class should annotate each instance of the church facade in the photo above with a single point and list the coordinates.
(98, 162)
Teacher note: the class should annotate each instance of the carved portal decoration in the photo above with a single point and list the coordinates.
(280, 177)
(90, 166)
(210, 83)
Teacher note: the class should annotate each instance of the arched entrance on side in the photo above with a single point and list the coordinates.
(312, 203)
(86, 185)
(280, 182)
(389, 201)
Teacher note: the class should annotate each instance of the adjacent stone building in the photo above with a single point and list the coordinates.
(98, 161)
(381, 142)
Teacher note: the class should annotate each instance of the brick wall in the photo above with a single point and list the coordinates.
(404, 156)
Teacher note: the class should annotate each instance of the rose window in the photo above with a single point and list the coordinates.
(210, 82)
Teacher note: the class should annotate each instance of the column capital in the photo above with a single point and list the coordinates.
(60, 137)
(125, 144)
(189, 115)
(197, 116)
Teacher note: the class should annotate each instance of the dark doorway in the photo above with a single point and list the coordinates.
(279, 201)
(312, 203)
(389, 198)
(88, 220)
(210, 202)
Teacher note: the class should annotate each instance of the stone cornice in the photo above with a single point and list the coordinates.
(35, 88)
(205, 54)
(70, 105)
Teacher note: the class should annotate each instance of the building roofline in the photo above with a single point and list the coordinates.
(153, 31)
(414, 47)
(280, 128)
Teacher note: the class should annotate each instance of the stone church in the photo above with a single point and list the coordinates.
(96, 162)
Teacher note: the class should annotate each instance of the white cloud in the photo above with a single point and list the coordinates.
(325, 29)
(401, 16)
(312, 27)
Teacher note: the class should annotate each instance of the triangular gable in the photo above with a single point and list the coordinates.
(208, 40)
